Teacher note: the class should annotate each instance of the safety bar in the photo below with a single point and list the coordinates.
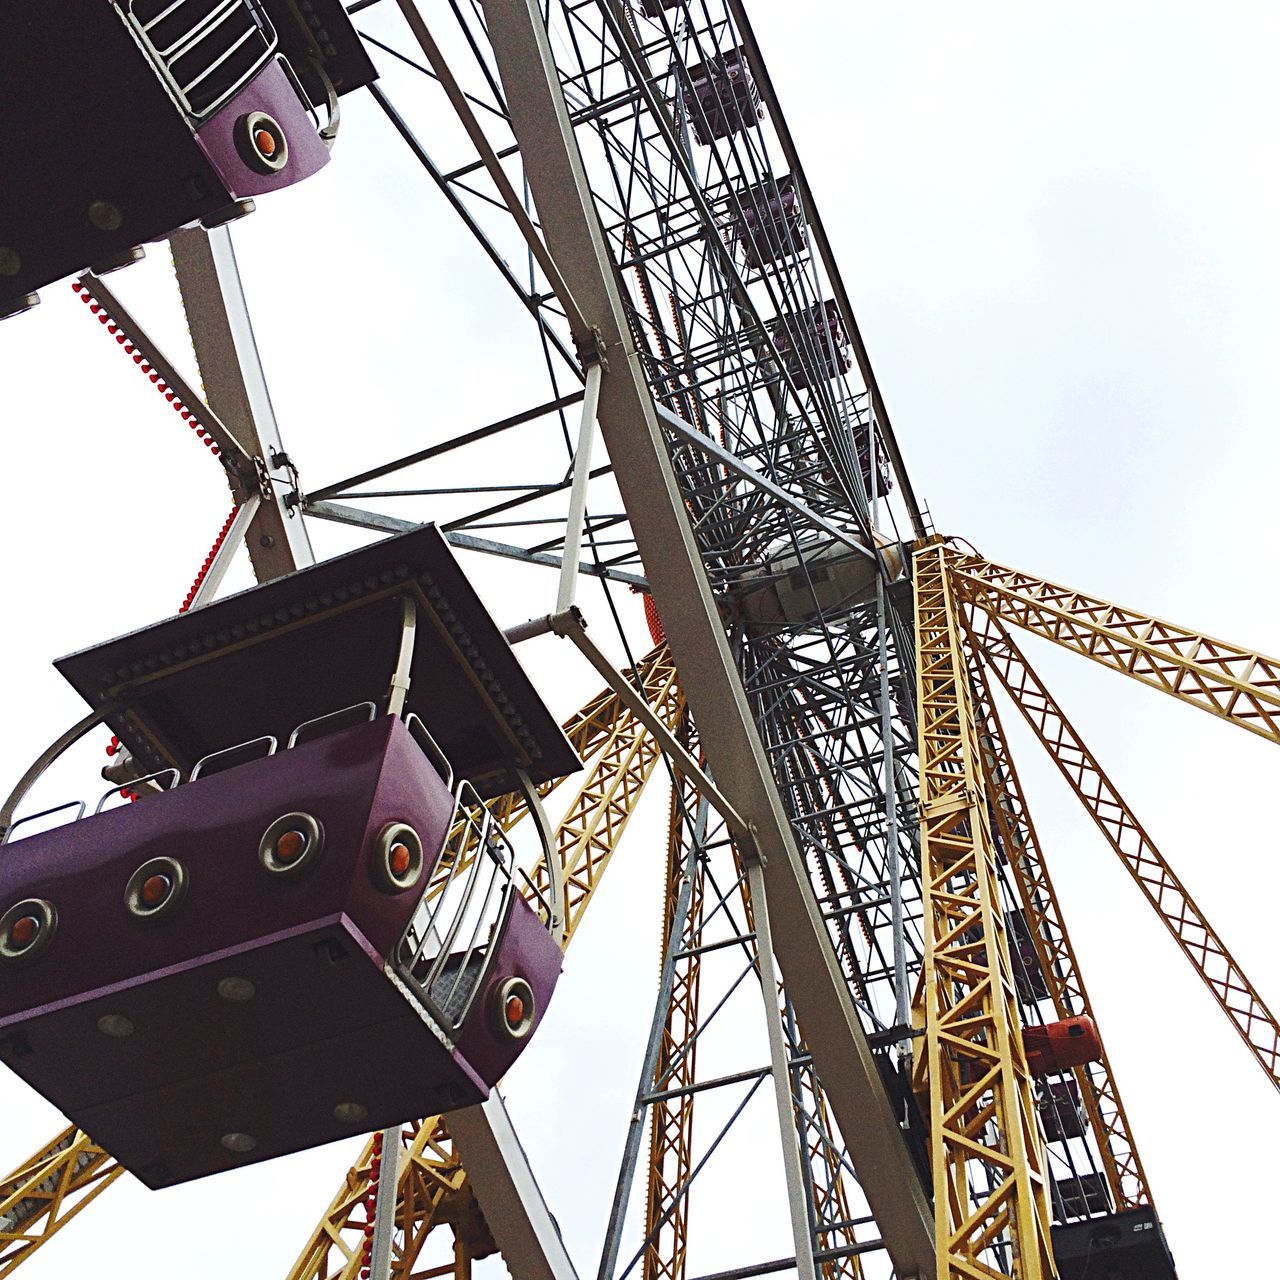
(140, 782)
(413, 722)
(200, 764)
(453, 935)
(78, 805)
(371, 708)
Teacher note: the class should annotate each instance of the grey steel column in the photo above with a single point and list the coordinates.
(797, 1195)
(630, 428)
(653, 1048)
(236, 389)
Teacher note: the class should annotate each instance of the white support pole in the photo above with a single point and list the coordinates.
(236, 390)
(388, 1193)
(576, 521)
(778, 1056)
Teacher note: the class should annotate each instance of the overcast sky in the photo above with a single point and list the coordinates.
(1057, 224)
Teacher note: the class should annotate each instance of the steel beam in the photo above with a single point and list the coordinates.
(377, 522)
(633, 436)
(744, 471)
(236, 390)
(507, 1190)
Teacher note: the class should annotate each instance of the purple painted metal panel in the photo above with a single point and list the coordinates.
(816, 332)
(107, 158)
(306, 954)
(323, 638)
(261, 1005)
(354, 782)
(269, 92)
(393, 1069)
(724, 98)
(526, 951)
(772, 221)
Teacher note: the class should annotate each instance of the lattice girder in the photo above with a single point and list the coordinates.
(991, 1214)
(1235, 684)
(1199, 941)
(1048, 932)
(45, 1192)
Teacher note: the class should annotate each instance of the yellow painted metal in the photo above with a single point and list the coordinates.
(1199, 941)
(433, 1192)
(1047, 928)
(991, 1215)
(671, 1123)
(589, 832)
(1235, 684)
(605, 728)
(45, 1192)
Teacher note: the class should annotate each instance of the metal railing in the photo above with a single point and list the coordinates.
(206, 50)
(226, 758)
(450, 940)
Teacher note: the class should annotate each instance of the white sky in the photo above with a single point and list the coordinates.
(1057, 226)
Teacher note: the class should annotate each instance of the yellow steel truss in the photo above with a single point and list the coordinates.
(1223, 679)
(45, 1192)
(1197, 938)
(590, 830)
(1063, 980)
(433, 1191)
(991, 1216)
(671, 1127)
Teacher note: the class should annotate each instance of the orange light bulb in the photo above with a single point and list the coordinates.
(23, 931)
(155, 889)
(290, 846)
(400, 859)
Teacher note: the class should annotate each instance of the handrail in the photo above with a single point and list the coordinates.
(330, 715)
(438, 922)
(431, 746)
(44, 813)
(199, 765)
(46, 758)
(137, 782)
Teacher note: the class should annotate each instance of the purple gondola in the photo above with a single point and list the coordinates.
(310, 925)
(143, 116)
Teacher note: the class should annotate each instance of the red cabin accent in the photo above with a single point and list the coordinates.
(1059, 1046)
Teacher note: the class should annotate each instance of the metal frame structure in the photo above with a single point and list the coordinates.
(991, 1212)
(843, 799)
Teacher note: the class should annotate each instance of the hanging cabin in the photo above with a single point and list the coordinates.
(309, 924)
(143, 116)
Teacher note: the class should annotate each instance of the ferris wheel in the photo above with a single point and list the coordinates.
(353, 844)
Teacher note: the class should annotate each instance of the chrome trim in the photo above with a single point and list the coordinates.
(78, 805)
(425, 957)
(430, 746)
(199, 765)
(208, 22)
(330, 715)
